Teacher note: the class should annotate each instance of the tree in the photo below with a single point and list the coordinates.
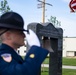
(4, 7)
(54, 21)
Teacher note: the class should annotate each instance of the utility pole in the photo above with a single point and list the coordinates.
(43, 11)
(42, 5)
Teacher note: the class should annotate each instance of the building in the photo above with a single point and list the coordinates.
(69, 46)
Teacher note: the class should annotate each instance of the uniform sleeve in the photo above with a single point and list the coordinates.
(30, 66)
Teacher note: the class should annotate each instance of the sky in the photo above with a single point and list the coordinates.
(30, 12)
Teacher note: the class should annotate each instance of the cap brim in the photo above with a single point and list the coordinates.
(8, 26)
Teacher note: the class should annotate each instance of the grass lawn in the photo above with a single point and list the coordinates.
(65, 61)
(44, 73)
(64, 72)
(69, 61)
(46, 61)
(68, 72)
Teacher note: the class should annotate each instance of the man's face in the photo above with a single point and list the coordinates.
(17, 37)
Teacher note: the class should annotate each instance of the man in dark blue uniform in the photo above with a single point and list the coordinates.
(12, 37)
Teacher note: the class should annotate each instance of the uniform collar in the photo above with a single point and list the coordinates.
(5, 46)
(7, 49)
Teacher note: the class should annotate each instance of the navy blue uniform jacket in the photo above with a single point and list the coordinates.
(13, 64)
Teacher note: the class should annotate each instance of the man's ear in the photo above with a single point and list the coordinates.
(8, 35)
